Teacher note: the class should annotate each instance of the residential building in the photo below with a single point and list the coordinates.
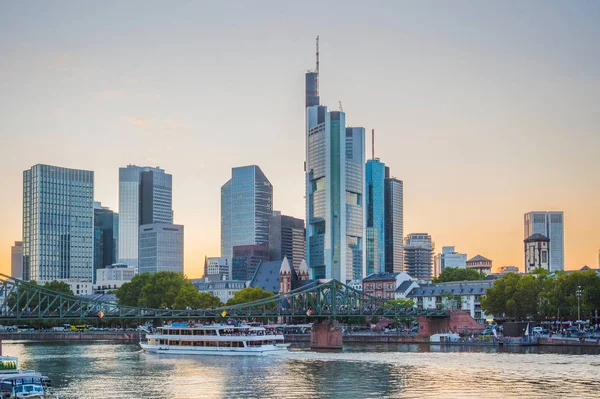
(246, 259)
(58, 224)
(106, 237)
(448, 258)
(385, 285)
(537, 250)
(287, 238)
(145, 197)
(481, 264)
(334, 196)
(375, 214)
(507, 269)
(418, 256)
(16, 260)
(463, 295)
(160, 248)
(246, 206)
(394, 224)
(112, 277)
(223, 289)
(551, 225)
(218, 265)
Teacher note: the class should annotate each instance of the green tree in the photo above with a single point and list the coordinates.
(59, 286)
(457, 274)
(129, 293)
(248, 294)
(402, 320)
(188, 296)
(161, 289)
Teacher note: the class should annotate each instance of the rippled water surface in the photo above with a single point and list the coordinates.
(106, 370)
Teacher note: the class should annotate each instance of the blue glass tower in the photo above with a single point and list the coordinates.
(375, 206)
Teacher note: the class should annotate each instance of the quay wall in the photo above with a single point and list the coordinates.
(392, 339)
(569, 342)
(118, 336)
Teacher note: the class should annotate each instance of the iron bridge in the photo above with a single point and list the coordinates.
(331, 299)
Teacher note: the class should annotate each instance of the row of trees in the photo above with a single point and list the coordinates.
(172, 290)
(541, 295)
(457, 274)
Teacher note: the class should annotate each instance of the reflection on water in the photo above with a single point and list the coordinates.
(105, 370)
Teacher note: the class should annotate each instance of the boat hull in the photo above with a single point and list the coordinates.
(177, 350)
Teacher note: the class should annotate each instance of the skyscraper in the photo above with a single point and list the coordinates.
(246, 259)
(145, 197)
(16, 260)
(106, 237)
(375, 205)
(287, 239)
(161, 248)
(394, 224)
(334, 196)
(418, 256)
(551, 225)
(246, 206)
(58, 224)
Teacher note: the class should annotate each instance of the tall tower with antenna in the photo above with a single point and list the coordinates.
(312, 83)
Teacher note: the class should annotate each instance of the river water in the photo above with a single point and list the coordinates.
(108, 370)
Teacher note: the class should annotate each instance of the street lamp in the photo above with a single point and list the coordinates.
(578, 294)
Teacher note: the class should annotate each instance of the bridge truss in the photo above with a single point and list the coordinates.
(332, 299)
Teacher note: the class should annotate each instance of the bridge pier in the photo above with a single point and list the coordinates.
(432, 325)
(326, 336)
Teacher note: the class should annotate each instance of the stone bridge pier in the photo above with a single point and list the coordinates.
(326, 336)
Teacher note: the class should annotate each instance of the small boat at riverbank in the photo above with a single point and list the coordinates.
(15, 383)
(216, 339)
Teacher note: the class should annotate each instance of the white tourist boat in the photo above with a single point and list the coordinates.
(216, 339)
(15, 383)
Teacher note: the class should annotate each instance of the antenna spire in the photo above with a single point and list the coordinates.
(317, 69)
(373, 144)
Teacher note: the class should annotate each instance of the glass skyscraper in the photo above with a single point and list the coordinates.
(375, 205)
(106, 237)
(334, 196)
(161, 248)
(145, 197)
(549, 224)
(246, 206)
(58, 224)
(394, 224)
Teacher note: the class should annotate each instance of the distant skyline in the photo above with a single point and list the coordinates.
(486, 110)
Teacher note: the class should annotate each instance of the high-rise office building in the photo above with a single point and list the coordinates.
(394, 224)
(287, 239)
(58, 224)
(160, 248)
(551, 225)
(246, 206)
(246, 259)
(418, 256)
(334, 196)
(16, 260)
(106, 237)
(448, 258)
(145, 197)
(375, 210)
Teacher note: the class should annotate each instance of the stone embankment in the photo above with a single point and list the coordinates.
(593, 342)
(117, 336)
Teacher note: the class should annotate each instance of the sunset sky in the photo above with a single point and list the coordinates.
(486, 110)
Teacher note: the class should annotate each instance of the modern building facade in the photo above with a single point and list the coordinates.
(418, 256)
(106, 237)
(394, 224)
(246, 259)
(448, 258)
(112, 277)
(287, 239)
(58, 224)
(246, 207)
(537, 251)
(375, 213)
(218, 265)
(16, 260)
(145, 197)
(551, 225)
(160, 248)
(334, 196)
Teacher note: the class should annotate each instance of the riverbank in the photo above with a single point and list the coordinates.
(117, 336)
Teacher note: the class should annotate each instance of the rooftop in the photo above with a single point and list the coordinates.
(456, 288)
(536, 237)
(479, 258)
(381, 276)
